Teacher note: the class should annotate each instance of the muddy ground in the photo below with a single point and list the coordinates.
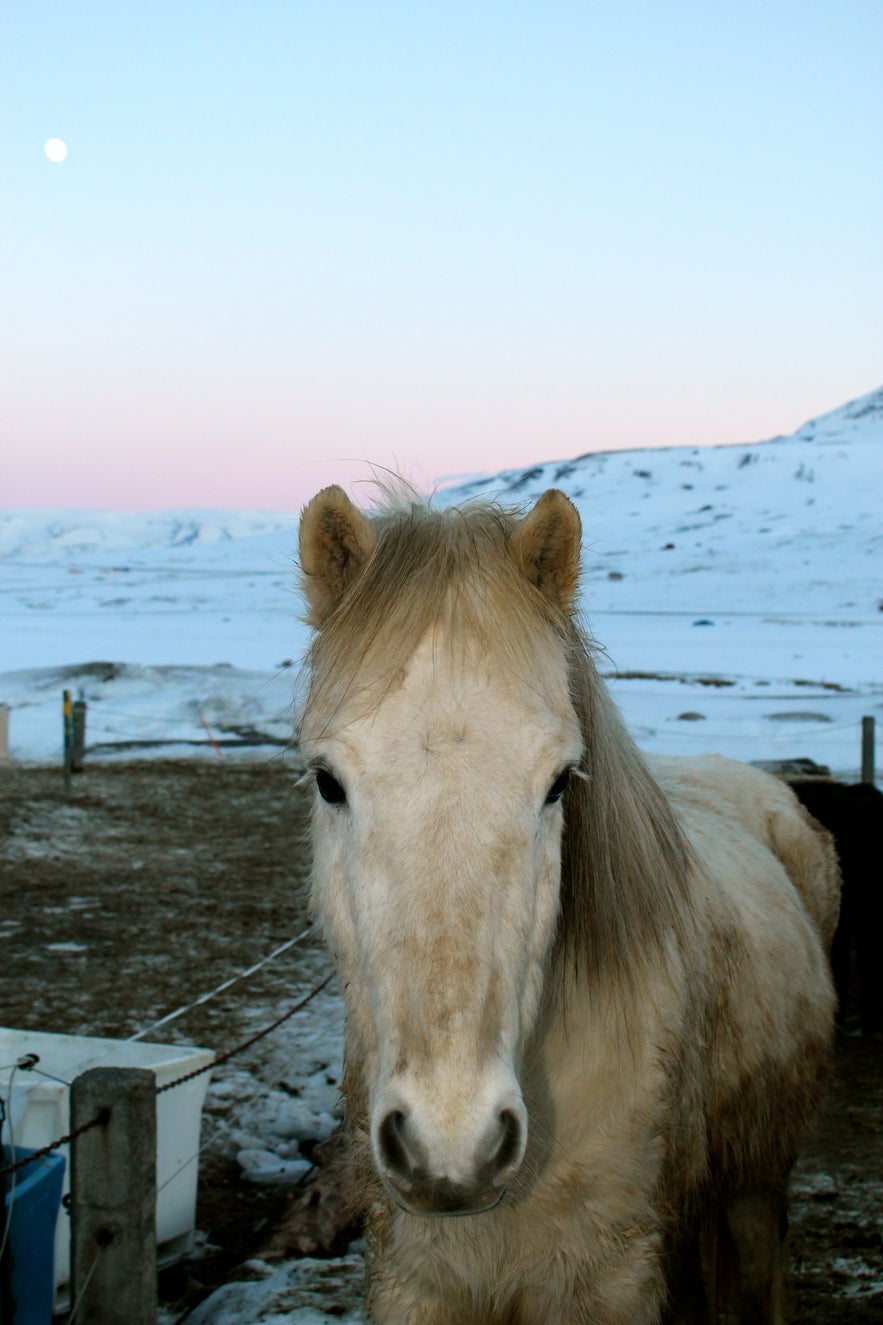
(154, 881)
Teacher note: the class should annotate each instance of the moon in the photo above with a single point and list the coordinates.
(55, 149)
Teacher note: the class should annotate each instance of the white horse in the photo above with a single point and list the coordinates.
(587, 1004)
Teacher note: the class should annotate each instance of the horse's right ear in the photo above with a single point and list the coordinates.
(546, 544)
(335, 542)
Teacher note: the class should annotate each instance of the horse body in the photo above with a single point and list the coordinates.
(587, 1004)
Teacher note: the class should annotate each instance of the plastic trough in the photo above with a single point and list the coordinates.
(40, 1110)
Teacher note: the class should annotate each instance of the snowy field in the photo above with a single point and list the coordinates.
(735, 593)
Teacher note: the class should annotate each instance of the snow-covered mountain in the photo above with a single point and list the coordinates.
(742, 526)
(736, 590)
(843, 447)
(77, 533)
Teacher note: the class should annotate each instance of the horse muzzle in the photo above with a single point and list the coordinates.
(428, 1177)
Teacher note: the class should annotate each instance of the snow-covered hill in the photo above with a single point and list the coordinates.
(736, 591)
(741, 527)
(71, 534)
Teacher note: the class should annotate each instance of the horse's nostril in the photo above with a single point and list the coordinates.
(509, 1145)
(391, 1141)
(448, 1174)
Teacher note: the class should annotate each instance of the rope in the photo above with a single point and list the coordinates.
(208, 731)
(226, 984)
(808, 730)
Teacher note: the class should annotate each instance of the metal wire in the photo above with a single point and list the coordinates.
(82, 1292)
(7, 1116)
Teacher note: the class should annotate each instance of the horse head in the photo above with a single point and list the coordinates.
(441, 733)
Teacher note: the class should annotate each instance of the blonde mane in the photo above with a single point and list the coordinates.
(624, 859)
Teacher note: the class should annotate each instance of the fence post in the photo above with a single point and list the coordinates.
(868, 750)
(78, 735)
(4, 734)
(67, 720)
(113, 1198)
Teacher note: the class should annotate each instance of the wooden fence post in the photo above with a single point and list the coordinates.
(78, 735)
(67, 720)
(113, 1198)
(868, 750)
(4, 734)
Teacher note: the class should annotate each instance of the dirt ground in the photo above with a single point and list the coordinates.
(160, 878)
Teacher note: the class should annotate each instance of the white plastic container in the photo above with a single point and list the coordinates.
(39, 1103)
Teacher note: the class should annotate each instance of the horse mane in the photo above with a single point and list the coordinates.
(625, 862)
(624, 859)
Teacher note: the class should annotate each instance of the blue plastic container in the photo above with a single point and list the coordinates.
(27, 1279)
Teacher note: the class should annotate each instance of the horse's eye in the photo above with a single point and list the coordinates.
(558, 787)
(329, 788)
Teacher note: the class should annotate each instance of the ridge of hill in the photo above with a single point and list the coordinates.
(819, 479)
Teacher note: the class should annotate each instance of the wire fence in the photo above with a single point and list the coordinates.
(28, 1062)
(712, 729)
(222, 987)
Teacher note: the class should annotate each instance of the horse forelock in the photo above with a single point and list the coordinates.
(624, 859)
(445, 572)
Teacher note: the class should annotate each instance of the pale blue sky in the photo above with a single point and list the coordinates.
(450, 238)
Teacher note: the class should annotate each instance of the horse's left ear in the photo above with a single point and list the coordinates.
(546, 545)
(335, 542)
